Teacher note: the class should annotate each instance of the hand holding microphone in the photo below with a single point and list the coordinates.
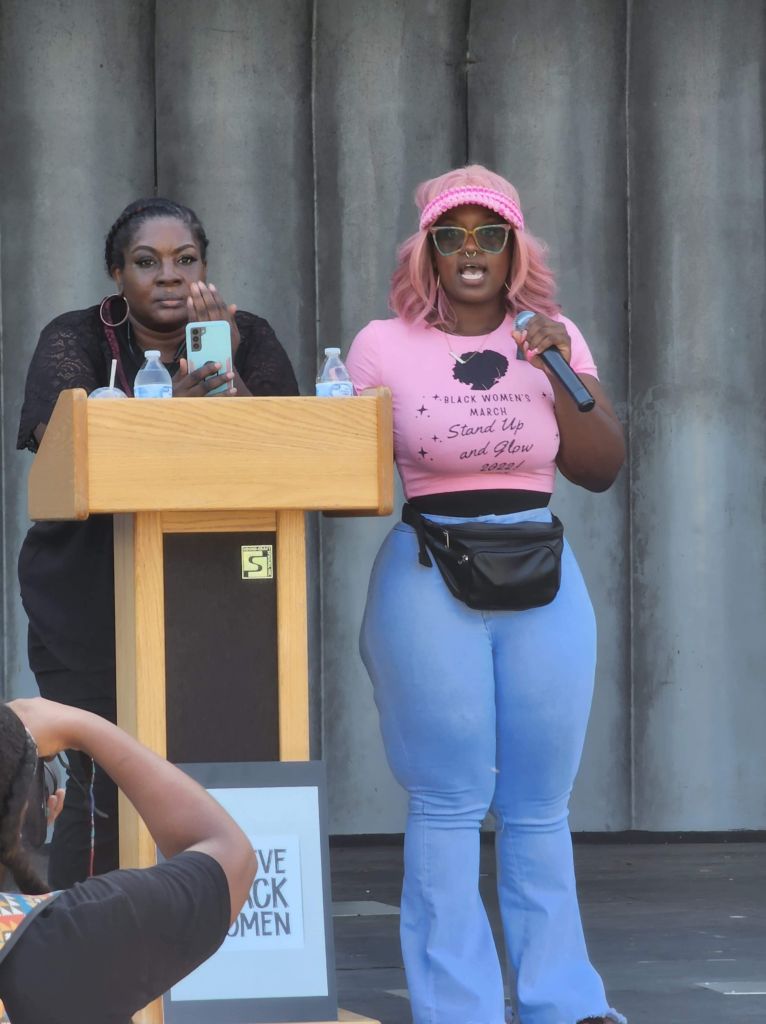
(558, 366)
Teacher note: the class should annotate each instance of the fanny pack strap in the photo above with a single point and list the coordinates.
(413, 518)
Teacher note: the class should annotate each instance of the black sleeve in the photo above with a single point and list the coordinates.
(67, 356)
(262, 362)
(109, 946)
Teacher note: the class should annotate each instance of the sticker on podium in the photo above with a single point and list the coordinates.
(277, 961)
(257, 561)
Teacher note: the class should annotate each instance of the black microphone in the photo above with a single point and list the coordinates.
(558, 365)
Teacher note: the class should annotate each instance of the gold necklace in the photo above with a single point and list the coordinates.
(477, 352)
(459, 359)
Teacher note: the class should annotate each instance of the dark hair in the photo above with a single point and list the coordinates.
(18, 760)
(124, 228)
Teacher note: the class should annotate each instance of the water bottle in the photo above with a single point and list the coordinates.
(334, 380)
(153, 380)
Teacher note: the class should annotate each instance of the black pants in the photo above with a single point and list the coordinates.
(70, 849)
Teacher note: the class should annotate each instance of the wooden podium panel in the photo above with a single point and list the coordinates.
(220, 455)
(221, 665)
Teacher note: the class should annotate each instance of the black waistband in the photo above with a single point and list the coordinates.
(479, 503)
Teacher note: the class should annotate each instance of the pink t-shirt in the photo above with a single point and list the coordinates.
(483, 425)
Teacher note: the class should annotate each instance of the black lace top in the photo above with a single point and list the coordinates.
(65, 569)
(73, 352)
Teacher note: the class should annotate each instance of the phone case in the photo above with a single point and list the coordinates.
(209, 341)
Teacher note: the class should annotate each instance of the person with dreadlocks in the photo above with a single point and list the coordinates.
(156, 254)
(98, 952)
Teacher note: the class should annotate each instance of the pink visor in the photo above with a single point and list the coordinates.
(472, 195)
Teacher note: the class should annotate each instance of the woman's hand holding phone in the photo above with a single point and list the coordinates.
(202, 381)
(205, 305)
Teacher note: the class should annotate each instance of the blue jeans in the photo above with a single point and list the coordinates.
(478, 711)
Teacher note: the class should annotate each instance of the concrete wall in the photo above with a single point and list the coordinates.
(76, 144)
(697, 419)
(298, 131)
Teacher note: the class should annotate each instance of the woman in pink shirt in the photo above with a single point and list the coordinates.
(483, 709)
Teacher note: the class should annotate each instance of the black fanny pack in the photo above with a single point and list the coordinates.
(493, 567)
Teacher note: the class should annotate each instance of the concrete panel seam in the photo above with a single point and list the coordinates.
(628, 425)
(320, 531)
(155, 144)
(466, 68)
(4, 688)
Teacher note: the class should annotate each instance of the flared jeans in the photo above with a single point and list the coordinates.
(485, 711)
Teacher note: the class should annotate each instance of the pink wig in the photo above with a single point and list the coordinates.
(414, 294)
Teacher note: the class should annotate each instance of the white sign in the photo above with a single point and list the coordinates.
(276, 949)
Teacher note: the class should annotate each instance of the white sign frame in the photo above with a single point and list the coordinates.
(278, 961)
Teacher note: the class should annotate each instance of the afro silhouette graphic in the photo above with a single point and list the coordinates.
(480, 370)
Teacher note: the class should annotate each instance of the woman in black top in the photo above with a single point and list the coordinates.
(156, 255)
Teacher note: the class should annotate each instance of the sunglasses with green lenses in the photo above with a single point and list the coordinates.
(490, 238)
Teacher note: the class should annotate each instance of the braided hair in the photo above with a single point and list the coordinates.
(124, 228)
(18, 760)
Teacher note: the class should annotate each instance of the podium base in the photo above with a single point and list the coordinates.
(153, 1014)
(346, 1017)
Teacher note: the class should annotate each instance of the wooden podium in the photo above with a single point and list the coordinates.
(214, 491)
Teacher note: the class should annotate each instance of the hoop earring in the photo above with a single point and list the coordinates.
(117, 295)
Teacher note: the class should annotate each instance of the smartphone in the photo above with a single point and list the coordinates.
(206, 342)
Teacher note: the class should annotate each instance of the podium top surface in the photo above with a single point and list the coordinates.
(214, 454)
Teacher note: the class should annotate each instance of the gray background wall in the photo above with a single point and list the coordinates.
(635, 134)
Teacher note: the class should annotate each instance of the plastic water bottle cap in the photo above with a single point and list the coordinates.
(152, 353)
(332, 351)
